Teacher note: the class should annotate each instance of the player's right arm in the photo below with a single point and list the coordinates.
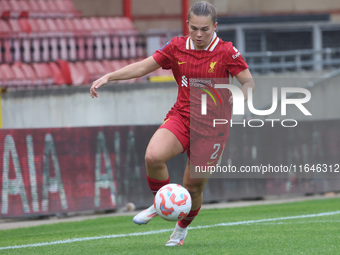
(134, 70)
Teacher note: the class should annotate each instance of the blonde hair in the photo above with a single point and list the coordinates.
(203, 8)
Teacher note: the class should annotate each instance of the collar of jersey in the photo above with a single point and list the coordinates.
(214, 41)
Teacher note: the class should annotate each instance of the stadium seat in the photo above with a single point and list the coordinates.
(31, 75)
(35, 45)
(15, 39)
(65, 70)
(2, 78)
(20, 76)
(5, 37)
(52, 9)
(38, 9)
(68, 39)
(53, 41)
(25, 39)
(79, 73)
(46, 42)
(34, 9)
(82, 69)
(91, 68)
(42, 9)
(116, 64)
(62, 39)
(14, 9)
(5, 9)
(76, 75)
(99, 67)
(25, 26)
(20, 39)
(89, 42)
(8, 79)
(24, 8)
(20, 8)
(44, 73)
(107, 66)
(98, 33)
(71, 41)
(112, 29)
(46, 7)
(114, 36)
(120, 47)
(56, 73)
(79, 34)
(67, 8)
(106, 37)
(129, 34)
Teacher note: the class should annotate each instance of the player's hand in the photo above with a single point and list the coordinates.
(97, 84)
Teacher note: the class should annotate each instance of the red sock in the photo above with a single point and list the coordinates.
(188, 219)
(155, 185)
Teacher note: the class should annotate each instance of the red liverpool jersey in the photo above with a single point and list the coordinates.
(194, 69)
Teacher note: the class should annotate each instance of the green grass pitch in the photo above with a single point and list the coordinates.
(309, 227)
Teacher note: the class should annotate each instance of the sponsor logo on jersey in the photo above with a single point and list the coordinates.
(235, 56)
(181, 63)
(212, 67)
(207, 87)
(184, 81)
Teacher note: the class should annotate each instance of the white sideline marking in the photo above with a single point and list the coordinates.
(73, 240)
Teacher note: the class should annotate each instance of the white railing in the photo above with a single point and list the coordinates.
(316, 58)
(296, 60)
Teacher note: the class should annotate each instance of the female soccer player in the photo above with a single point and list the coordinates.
(201, 55)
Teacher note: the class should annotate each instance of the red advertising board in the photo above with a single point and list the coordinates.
(44, 171)
(62, 170)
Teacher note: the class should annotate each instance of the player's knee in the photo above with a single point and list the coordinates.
(153, 160)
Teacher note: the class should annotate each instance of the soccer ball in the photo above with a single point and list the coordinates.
(172, 202)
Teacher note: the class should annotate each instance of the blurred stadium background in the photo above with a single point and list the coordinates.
(63, 152)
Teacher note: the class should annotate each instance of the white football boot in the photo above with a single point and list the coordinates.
(145, 216)
(177, 237)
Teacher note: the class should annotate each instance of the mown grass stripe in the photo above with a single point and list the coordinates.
(73, 240)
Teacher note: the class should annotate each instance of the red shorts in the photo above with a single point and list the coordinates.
(201, 150)
(175, 124)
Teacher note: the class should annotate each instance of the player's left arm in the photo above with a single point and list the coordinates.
(246, 80)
